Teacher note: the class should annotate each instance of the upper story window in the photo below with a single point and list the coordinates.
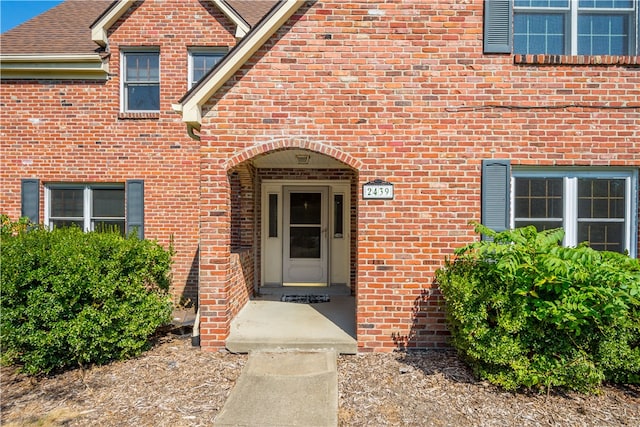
(201, 61)
(141, 80)
(579, 27)
(562, 27)
(90, 207)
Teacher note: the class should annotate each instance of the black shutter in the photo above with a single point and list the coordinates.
(498, 19)
(496, 175)
(30, 203)
(135, 207)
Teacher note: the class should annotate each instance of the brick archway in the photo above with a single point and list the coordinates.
(285, 143)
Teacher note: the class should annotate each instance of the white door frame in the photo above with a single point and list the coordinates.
(272, 234)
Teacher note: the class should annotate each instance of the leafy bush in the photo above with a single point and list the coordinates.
(526, 312)
(70, 298)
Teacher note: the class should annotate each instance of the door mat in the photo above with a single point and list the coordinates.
(305, 299)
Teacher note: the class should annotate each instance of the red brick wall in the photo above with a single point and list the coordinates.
(404, 90)
(69, 131)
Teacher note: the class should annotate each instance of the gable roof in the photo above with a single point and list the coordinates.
(68, 41)
(67, 28)
(190, 106)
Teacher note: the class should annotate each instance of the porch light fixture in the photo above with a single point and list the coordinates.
(303, 159)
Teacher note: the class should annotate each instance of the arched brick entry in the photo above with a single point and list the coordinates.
(230, 230)
(286, 143)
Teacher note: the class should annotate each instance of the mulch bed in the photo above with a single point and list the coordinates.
(175, 384)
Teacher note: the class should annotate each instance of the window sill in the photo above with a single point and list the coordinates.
(138, 116)
(604, 60)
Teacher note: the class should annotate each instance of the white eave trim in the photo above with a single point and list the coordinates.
(58, 67)
(100, 28)
(242, 28)
(191, 108)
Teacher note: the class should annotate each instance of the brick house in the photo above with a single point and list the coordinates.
(330, 144)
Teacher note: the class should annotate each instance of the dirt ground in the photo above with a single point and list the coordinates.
(175, 384)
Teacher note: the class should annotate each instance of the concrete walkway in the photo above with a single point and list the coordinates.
(286, 388)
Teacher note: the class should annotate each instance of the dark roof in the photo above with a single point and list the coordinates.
(65, 29)
(251, 11)
(61, 30)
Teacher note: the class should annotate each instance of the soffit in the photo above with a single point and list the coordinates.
(294, 158)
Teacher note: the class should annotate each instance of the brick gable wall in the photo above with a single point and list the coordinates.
(404, 89)
(70, 131)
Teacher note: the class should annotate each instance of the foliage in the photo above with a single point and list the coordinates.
(526, 312)
(70, 298)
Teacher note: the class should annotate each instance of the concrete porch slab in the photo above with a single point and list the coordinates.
(267, 325)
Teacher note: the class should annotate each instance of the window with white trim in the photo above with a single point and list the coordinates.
(201, 61)
(140, 81)
(597, 207)
(575, 27)
(98, 207)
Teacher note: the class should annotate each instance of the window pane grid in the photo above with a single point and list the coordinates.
(536, 32)
(601, 198)
(591, 209)
(92, 208)
(603, 34)
(539, 198)
(141, 82)
(602, 236)
(202, 63)
(589, 27)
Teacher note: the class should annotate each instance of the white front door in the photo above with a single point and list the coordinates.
(305, 241)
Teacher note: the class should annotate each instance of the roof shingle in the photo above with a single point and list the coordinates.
(252, 11)
(58, 31)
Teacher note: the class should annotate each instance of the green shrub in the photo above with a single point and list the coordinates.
(526, 312)
(70, 298)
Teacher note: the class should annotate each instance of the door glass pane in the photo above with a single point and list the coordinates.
(305, 208)
(338, 216)
(304, 242)
(273, 215)
(108, 203)
(603, 236)
(67, 202)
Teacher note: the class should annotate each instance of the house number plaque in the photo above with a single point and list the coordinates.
(377, 189)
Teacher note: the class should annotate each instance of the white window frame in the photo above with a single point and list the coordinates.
(571, 22)
(570, 178)
(123, 73)
(87, 215)
(195, 51)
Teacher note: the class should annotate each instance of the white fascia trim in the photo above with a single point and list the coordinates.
(63, 67)
(242, 28)
(192, 108)
(99, 29)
